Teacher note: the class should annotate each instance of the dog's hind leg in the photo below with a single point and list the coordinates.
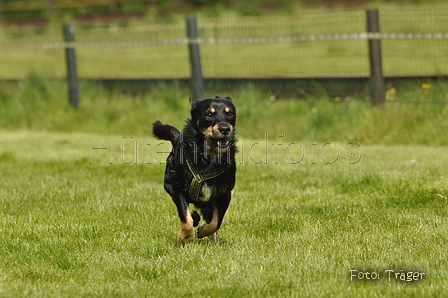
(209, 229)
(213, 218)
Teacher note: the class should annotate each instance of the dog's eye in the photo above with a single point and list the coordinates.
(209, 115)
(229, 114)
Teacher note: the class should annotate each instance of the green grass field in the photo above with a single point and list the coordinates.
(40, 104)
(326, 187)
(370, 195)
(74, 225)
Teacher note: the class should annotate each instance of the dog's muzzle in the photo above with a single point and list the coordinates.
(223, 143)
(225, 131)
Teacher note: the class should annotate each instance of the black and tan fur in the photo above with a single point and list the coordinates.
(200, 169)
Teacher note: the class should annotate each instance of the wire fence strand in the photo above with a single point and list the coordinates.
(331, 43)
(230, 41)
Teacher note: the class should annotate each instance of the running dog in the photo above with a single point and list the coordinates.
(200, 169)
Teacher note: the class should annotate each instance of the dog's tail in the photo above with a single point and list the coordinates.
(165, 132)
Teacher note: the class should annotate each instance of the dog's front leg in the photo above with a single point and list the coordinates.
(186, 233)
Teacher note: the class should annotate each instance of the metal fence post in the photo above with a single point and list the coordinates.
(70, 58)
(197, 81)
(377, 87)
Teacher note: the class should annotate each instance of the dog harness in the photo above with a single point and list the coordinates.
(199, 177)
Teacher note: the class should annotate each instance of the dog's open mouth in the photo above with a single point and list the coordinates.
(223, 143)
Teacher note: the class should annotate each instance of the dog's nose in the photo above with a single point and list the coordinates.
(224, 129)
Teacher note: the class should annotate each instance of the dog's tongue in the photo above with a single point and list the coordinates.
(222, 142)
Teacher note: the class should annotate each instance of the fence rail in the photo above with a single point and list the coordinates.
(243, 40)
(291, 48)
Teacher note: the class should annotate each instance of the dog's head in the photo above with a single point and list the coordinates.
(215, 118)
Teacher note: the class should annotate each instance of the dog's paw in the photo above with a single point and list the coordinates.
(185, 236)
(200, 233)
(206, 230)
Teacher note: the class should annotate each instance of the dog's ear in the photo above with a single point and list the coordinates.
(193, 102)
(228, 98)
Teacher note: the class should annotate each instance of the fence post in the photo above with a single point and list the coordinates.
(50, 7)
(113, 6)
(70, 58)
(377, 87)
(197, 81)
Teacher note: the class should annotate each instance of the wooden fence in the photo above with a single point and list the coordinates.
(372, 35)
(193, 40)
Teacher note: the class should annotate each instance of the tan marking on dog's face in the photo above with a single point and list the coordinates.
(186, 233)
(208, 132)
(215, 130)
(227, 109)
(212, 110)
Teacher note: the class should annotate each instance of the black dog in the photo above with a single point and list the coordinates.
(201, 166)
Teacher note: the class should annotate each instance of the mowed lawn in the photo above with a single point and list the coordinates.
(77, 221)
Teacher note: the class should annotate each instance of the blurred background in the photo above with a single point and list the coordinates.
(290, 48)
(290, 64)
